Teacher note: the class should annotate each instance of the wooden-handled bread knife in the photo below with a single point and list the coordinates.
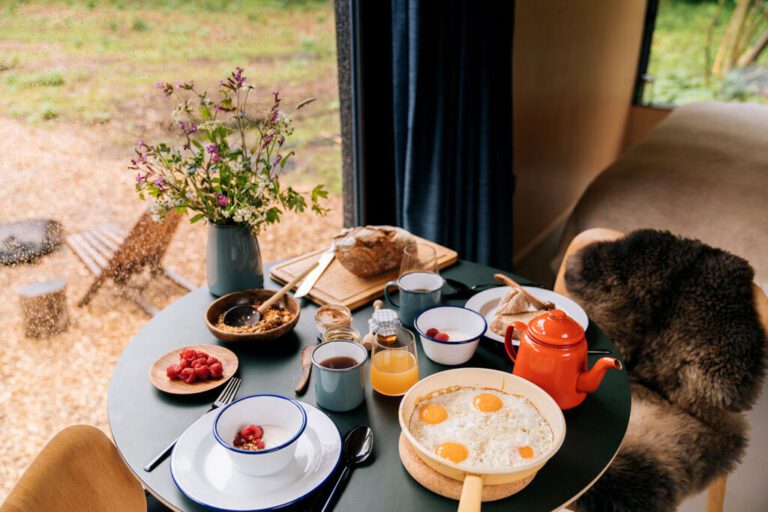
(325, 259)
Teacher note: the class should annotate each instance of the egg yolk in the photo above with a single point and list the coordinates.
(526, 452)
(486, 402)
(433, 414)
(454, 452)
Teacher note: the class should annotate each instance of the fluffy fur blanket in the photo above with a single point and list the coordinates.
(683, 317)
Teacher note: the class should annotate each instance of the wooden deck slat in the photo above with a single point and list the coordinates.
(105, 239)
(95, 256)
(75, 242)
(115, 233)
(97, 245)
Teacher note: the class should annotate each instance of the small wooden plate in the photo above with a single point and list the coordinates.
(161, 381)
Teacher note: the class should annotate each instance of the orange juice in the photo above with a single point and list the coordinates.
(393, 371)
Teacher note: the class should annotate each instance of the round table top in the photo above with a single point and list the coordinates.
(144, 420)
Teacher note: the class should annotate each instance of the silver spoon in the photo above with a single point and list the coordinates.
(358, 446)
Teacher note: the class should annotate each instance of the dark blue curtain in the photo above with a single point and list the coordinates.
(452, 123)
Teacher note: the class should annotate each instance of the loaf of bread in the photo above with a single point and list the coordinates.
(369, 250)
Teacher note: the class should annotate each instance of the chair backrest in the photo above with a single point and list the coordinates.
(690, 323)
(144, 245)
(79, 469)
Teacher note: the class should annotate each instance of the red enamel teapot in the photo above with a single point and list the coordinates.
(553, 355)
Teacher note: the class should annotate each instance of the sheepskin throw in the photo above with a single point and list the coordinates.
(683, 317)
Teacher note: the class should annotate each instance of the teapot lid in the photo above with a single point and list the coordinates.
(555, 328)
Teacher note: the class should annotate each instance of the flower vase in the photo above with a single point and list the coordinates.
(234, 259)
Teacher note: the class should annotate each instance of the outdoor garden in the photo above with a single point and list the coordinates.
(709, 50)
(78, 92)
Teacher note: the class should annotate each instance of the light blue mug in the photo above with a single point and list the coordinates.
(418, 291)
(339, 368)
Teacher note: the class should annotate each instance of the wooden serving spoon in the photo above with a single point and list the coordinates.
(530, 298)
(245, 314)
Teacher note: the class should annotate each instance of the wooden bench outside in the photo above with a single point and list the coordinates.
(110, 253)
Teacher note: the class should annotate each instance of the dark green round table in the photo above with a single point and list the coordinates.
(144, 420)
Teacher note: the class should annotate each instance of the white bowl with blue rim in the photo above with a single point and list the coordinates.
(203, 470)
(463, 326)
(283, 421)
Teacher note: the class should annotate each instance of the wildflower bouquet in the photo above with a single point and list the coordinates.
(228, 169)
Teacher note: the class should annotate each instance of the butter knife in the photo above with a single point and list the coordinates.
(325, 259)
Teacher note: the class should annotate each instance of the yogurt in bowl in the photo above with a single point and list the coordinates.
(278, 423)
(450, 334)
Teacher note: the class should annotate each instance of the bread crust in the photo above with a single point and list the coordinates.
(370, 250)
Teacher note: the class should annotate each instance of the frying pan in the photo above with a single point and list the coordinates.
(475, 477)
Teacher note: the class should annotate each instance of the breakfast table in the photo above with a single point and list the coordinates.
(144, 420)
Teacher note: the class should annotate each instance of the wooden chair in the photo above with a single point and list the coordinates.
(110, 253)
(716, 491)
(79, 469)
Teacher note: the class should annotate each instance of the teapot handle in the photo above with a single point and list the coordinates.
(511, 352)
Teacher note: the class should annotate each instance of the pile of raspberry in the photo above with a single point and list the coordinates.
(193, 366)
(436, 334)
(250, 438)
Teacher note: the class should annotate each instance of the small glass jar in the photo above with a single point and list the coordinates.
(331, 315)
(342, 333)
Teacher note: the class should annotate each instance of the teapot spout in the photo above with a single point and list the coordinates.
(590, 380)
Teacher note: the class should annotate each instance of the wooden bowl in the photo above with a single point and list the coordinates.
(222, 304)
(161, 381)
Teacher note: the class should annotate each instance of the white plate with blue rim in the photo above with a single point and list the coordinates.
(203, 471)
(486, 303)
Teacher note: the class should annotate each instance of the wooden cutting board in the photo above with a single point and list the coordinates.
(337, 285)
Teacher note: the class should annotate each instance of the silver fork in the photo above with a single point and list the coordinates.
(227, 396)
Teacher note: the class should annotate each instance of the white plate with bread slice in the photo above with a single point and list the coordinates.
(503, 305)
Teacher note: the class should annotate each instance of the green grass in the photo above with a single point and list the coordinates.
(95, 63)
(678, 60)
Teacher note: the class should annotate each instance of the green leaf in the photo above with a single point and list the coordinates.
(196, 218)
(319, 192)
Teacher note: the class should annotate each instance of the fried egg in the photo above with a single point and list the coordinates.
(477, 427)
(432, 413)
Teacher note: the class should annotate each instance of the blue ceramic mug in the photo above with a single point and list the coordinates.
(339, 375)
(418, 291)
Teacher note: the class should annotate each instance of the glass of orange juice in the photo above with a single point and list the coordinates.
(394, 363)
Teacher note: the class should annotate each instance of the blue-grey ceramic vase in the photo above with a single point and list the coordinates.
(234, 260)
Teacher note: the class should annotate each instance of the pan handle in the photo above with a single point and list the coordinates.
(471, 494)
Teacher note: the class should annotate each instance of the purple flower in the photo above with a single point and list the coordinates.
(159, 182)
(141, 150)
(166, 87)
(238, 76)
(222, 200)
(268, 138)
(278, 159)
(139, 178)
(211, 148)
(280, 140)
(187, 128)
(216, 158)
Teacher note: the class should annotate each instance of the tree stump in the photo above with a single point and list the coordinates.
(44, 308)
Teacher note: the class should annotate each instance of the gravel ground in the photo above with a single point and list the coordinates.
(48, 384)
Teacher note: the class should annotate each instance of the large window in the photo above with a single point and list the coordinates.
(707, 50)
(77, 92)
